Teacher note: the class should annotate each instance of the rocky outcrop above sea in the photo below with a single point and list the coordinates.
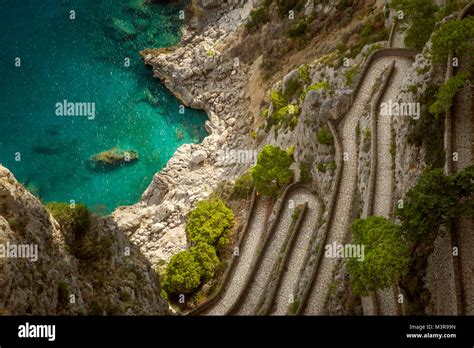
(42, 272)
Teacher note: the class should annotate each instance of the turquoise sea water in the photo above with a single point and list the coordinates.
(83, 60)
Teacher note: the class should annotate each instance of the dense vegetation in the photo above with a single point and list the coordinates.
(435, 201)
(423, 16)
(188, 269)
(272, 171)
(211, 223)
(209, 230)
(386, 255)
(453, 36)
(398, 254)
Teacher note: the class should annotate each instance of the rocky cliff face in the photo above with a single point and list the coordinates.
(41, 274)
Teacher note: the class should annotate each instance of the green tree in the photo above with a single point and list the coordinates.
(386, 255)
(454, 36)
(183, 274)
(189, 269)
(210, 222)
(272, 171)
(435, 201)
(206, 256)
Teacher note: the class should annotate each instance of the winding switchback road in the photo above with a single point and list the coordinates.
(342, 213)
(256, 287)
(384, 179)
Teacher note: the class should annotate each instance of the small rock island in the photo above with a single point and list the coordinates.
(111, 159)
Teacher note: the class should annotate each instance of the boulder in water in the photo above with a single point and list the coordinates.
(112, 158)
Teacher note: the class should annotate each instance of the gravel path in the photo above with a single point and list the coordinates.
(398, 39)
(297, 257)
(272, 252)
(343, 207)
(247, 253)
(384, 172)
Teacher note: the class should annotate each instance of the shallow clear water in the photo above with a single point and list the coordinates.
(83, 60)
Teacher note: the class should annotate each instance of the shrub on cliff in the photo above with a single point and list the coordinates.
(283, 113)
(314, 87)
(297, 30)
(243, 187)
(279, 100)
(428, 131)
(446, 92)
(272, 171)
(305, 173)
(258, 17)
(210, 222)
(385, 255)
(324, 136)
(303, 73)
(76, 217)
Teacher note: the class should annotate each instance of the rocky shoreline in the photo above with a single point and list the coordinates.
(200, 76)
